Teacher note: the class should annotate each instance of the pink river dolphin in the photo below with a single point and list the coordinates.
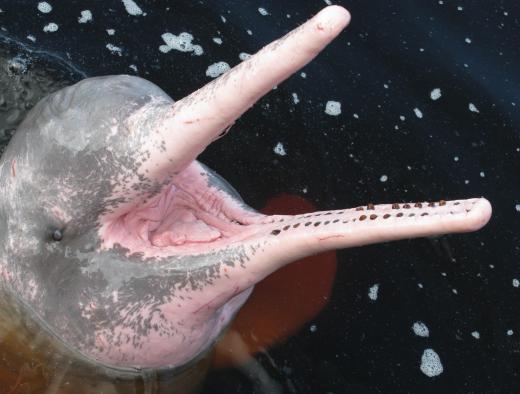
(137, 256)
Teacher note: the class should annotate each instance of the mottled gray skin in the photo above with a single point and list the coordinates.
(67, 142)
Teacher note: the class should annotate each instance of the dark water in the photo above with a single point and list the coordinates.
(392, 141)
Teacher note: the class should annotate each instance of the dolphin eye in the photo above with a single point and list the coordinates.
(57, 235)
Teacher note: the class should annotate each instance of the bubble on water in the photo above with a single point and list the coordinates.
(217, 69)
(17, 65)
(383, 178)
(279, 149)
(373, 292)
(475, 334)
(473, 108)
(244, 56)
(516, 283)
(431, 363)
(132, 8)
(111, 32)
(333, 108)
(50, 27)
(418, 113)
(114, 49)
(435, 94)
(420, 329)
(86, 16)
(263, 11)
(295, 98)
(182, 43)
(217, 40)
(44, 7)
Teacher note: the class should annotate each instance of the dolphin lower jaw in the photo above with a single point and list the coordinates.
(180, 336)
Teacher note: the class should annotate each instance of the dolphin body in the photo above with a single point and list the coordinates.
(137, 256)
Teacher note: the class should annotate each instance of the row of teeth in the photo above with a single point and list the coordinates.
(363, 217)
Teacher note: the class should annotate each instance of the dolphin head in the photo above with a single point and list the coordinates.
(134, 254)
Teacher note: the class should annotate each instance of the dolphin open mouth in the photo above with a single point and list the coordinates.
(194, 215)
(190, 215)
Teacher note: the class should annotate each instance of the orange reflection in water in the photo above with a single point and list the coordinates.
(283, 302)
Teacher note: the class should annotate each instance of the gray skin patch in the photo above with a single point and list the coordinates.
(60, 172)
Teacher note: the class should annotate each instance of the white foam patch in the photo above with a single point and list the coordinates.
(50, 27)
(475, 334)
(44, 7)
(133, 67)
(217, 40)
(244, 56)
(333, 108)
(431, 363)
(383, 178)
(509, 332)
(373, 292)
(217, 69)
(111, 32)
(420, 329)
(468, 40)
(86, 16)
(279, 149)
(418, 113)
(263, 11)
(114, 49)
(182, 42)
(132, 8)
(516, 283)
(33, 39)
(517, 206)
(435, 94)
(473, 108)
(295, 98)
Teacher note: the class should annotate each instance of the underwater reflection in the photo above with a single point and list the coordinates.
(32, 361)
(279, 306)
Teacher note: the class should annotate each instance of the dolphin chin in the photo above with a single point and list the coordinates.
(134, 254)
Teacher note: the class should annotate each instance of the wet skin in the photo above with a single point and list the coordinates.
(134, 254)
